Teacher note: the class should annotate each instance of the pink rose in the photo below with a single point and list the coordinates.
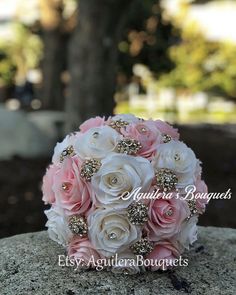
(48, 193)
(201, 200)
(164, 250)
(165, 217)
(147, 134)
(91, 123)
(82, 250)
(165, 128)
(72, 192)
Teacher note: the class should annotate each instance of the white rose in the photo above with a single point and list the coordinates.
(111, 232)
(126, 117)
(118, 174)
(176, 156)
(69, 140)
(57, 225)
(127, 264)
(97, 142)
(188, 232)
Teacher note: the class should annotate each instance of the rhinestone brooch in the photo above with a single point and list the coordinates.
(142, 247)
(137, 213)
(118, 124)
(192, 208)
(128, 146)
(166, 138)
(69, 151)
(89, 168)
(166, 179)
(78, 225)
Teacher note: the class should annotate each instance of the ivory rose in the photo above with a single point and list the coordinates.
(57, 225)
(61, 146)
(120, 173)
(165, 218)
(72, 192)
(126, 117)
(188, 232)
(176, 156)
(111, 232)
(97, 142)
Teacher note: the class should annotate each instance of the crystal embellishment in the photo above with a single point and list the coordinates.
(128, 146)
(112, 236)
(137, 213)
(142, 247)
(78, 225)
(192, 208)
(166, 138)
(118, 124)
(89, 168)
(69, 151)
(166, 179)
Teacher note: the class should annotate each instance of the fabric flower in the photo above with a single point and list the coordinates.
(61, 146)
(91, 123)
(201, 196)
(48, 193)
(188, 232)
(121, 173)
(57, 225)
(165, 218)
(97, 142)
(72, 192)
(165, 128)
(176, 156)
(147, 134)
(110, 231)
(126, 117)
(82, 250)
(164, 250)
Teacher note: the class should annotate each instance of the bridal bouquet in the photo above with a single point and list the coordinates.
(126, 189)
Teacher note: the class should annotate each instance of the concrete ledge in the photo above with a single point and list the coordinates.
(28, 265)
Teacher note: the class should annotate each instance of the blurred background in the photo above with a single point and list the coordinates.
(63, 61)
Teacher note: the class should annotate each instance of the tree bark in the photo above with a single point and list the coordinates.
(93, 58)
(54, 53)
(52, 68)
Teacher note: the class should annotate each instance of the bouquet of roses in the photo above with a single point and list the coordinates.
(124, 187)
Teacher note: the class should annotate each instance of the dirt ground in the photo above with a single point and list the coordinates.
(21, 208)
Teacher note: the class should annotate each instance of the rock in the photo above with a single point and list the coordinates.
(29, 265)
(51, 123)
(20, 137)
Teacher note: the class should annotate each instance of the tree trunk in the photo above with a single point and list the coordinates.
(54, 53)
(93, 58)
(52, 68)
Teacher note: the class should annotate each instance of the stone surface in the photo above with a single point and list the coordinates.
(29, 265)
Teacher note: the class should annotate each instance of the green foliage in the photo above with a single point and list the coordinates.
(202, 65)
(146, 38)
(18, 54)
